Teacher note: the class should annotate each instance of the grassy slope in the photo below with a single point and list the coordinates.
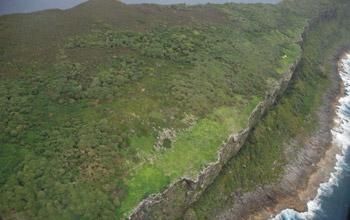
(86, 93)
(262, 158)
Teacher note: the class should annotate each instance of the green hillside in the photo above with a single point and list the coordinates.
(263, 158)
(106, 103)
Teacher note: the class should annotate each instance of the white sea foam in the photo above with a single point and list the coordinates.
(341, 138)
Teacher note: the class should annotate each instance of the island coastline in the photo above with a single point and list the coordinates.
(314, 164)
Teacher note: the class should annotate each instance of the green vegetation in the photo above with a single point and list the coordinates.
(262, 158)
(107, 103)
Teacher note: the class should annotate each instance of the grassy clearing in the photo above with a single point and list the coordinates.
(289, 56)
(190, 152)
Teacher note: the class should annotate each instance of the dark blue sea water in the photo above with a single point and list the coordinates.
(24, 6)
(337, 205)
(333, 198)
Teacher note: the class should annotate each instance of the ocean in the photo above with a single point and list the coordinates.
(332, 201)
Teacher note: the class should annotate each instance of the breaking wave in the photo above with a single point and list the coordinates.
(317, 208)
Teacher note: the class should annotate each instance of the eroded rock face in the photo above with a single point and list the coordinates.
(310, 167)
(175, 200)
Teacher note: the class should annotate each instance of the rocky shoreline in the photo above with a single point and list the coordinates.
(312, 165)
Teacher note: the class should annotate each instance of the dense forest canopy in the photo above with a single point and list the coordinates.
(100, 102)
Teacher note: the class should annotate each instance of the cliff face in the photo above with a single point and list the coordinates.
(174, 201)
(312, 165)
(171, 203)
